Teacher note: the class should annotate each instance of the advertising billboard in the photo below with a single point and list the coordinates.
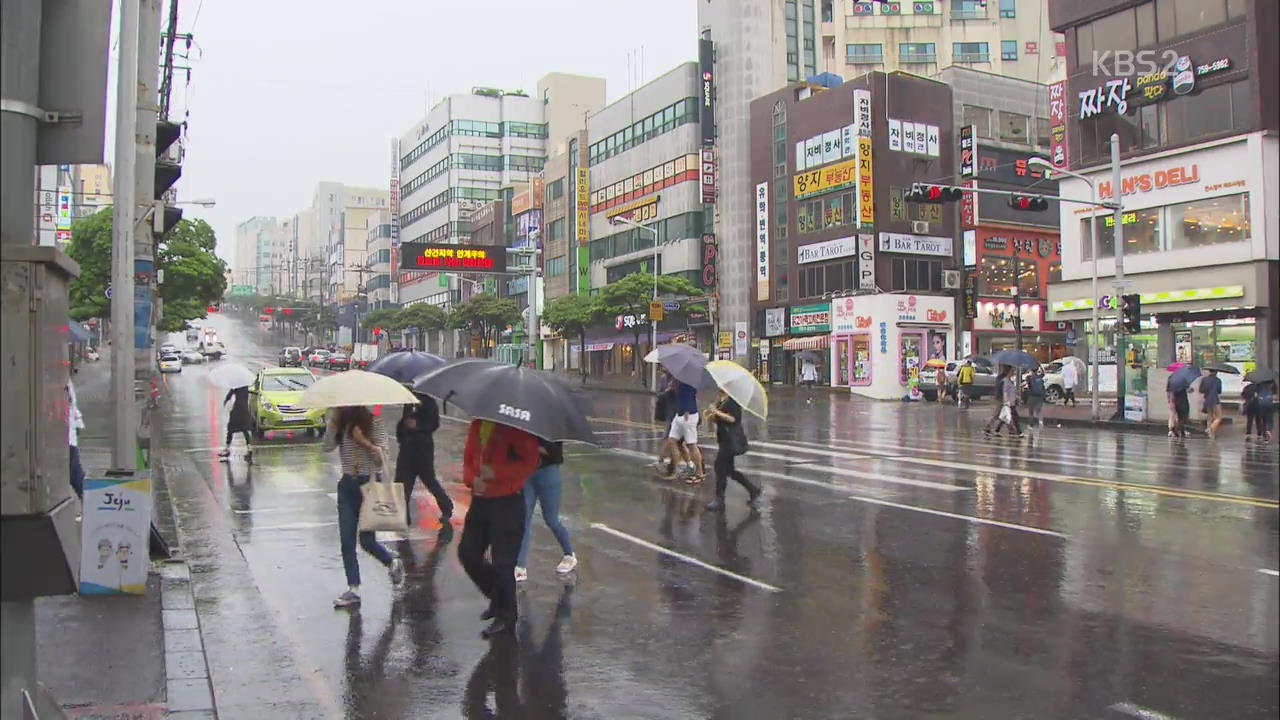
(435, 256)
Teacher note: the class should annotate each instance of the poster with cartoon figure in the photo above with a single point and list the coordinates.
(114, 555)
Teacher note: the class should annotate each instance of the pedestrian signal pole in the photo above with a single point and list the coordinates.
(1120, 284)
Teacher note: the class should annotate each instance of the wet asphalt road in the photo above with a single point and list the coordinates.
(899, 566)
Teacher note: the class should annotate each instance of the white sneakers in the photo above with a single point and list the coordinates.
(567, 564)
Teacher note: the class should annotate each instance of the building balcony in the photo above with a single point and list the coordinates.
(968, 14)
(877, 59)
(917, 58)
(972, 57)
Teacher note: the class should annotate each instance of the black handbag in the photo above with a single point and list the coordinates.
(738, 444)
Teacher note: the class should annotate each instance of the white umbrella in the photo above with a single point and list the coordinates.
(356, 387)
(739, 384)
(232, 375)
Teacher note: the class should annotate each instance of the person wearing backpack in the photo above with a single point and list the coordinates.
(964, 379)
(1035, 396)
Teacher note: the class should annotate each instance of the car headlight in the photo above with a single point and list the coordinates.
(266, 405)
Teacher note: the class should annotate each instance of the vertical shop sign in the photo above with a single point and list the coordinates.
(968, 206)
(866, 261)
(762, 241)
(866, 185)
(584, 270)
(710, 254)
(1058, 124)
(968, 151)
(708, 176)
(582, 197)
(740, 339)
(706, 68)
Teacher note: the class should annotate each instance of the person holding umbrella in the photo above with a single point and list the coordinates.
(1211, 390)
(1177, 387)
(1007, 414)
(738, 390)
(1263, 401)
(513, 408)
(236, 378)
(414, 431)
(809, 371)
(688, 367)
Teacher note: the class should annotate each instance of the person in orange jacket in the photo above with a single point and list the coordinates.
(496, 462)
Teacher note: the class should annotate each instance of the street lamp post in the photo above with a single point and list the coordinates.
(1017, 313)
(653, 325)
(1094, 332)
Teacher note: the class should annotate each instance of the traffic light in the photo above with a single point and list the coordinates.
(288, 312)
(211, 309)
(933, 194)
(377, 332)
(1028, 203)
(168, 170)
(268, 311)
(1131, 313)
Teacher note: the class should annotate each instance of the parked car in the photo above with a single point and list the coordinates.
(274, 402)
(984, 381)
(166, 349)
(339, 360)
(319, 357)
(1053, 389)
(290, 357)
(170, 362)
(192, 357)
(214, 349)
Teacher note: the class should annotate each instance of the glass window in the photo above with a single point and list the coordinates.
(1146, 17)
(1142, 229)
(1084, 45)
(1151, 120)
(1055, 272)
(1042, 132)
(1236, 8)
(1115, 32)
(1241, 105)
(970, 52)
(1013, 127)
(980, 117)
(995, 276)
(864, 53)
(1008, 9)
(1008, 49)
(1209, 222)
(1196, 116)
(1028, 279)
(791, 9)
(1193, 15)
(917, 52)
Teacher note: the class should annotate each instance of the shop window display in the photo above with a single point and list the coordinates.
(1209, 222)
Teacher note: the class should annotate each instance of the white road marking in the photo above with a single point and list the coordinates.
(296, 526)
(871, 446)
(1272, 573)
(845, 472)
(679, 556)
(254, 511)
(787, 458)
(1138, 711)
(957, 516)
(815, 483)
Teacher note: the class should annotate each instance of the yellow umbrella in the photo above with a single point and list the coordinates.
(356, 387)
(738, 383)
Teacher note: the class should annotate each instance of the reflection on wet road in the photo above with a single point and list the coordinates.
(899, 566)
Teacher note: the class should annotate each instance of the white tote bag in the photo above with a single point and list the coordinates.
(1006, 416)
(383, 505)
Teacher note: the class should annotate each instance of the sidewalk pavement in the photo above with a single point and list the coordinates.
(124, 656)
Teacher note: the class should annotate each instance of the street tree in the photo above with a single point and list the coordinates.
(380, 318)
(422, 319)
(194, 276)
(572, 315)
(631, 296)
(486, 316)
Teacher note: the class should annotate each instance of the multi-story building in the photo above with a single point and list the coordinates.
(378, 259)
(562, 248)
(1011, 38)
(844, 266)
(751, 58)
(64, 193)
(1006, 248)
(254, 239)
(1188, 87)
(643, 157)
(470, 147)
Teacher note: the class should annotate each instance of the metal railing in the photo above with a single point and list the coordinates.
(917, 58)
(864, 59)
(972, 57)
(968, 14)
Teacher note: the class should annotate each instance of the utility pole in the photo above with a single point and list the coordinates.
(124, 430)
(166, 81)
(1119, 283)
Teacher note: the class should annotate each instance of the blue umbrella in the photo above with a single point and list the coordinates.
(405, 366)
(1016, 358)
(1182, 378)
(685, 364)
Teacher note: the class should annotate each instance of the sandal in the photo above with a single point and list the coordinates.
(695, 479)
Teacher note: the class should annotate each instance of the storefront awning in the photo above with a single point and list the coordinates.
(813, 342)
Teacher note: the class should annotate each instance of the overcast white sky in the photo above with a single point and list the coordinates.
(285, 93)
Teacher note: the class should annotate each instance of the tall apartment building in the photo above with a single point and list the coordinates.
(467, 150)
(1197, 118)
(252, 263)
(759, 46)
(378, 258)
(1002, 37)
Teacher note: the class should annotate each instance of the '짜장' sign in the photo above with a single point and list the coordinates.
(468, 258)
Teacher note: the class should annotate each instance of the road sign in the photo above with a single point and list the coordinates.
(656, 311)
(108, 292)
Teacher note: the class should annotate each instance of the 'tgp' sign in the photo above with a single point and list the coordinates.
(458, 258)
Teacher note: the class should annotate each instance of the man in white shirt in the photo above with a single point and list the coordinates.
(809, 375)
(1069, 380)
(75, 423)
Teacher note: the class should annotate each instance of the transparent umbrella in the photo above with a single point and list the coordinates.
(739, 384)
(356, 387)
(232, 375)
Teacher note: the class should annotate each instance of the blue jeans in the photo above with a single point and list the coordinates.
(350, 498)
(543, 487)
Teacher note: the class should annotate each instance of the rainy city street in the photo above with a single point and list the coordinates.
(899, 565)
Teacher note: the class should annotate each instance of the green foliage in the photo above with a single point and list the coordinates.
(378, 319)
(486, 316)
(631, 296)
(194, 277)
(91, 248)
(571, 315)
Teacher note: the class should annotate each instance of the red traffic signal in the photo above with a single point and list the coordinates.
(377, 332)
(1028, 203)
(268, 311)
(933, 194)
(211, 309)
(288, 311)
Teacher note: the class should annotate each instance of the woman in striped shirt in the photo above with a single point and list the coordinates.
(360, 439)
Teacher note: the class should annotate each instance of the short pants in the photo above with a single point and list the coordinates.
(684, 428)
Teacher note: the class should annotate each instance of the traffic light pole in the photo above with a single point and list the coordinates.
(1119, 283)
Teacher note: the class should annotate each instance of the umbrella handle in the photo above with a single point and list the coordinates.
(444, 402)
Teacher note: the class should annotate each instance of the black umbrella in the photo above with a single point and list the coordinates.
(979, 360)
(405, 366)
(809, 355)
(1261, 375)
(531, 400)
(1183, 377)
(1222, 368)
(1016, 358)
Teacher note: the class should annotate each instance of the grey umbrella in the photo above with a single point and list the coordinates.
(1261, 375)
(1016, 358)
(531, 400)
(685, 364)
(1222, 368)
(405, 366)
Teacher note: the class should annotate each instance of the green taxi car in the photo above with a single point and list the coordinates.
(274, 402)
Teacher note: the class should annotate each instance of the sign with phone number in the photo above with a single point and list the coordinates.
(837, 177)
